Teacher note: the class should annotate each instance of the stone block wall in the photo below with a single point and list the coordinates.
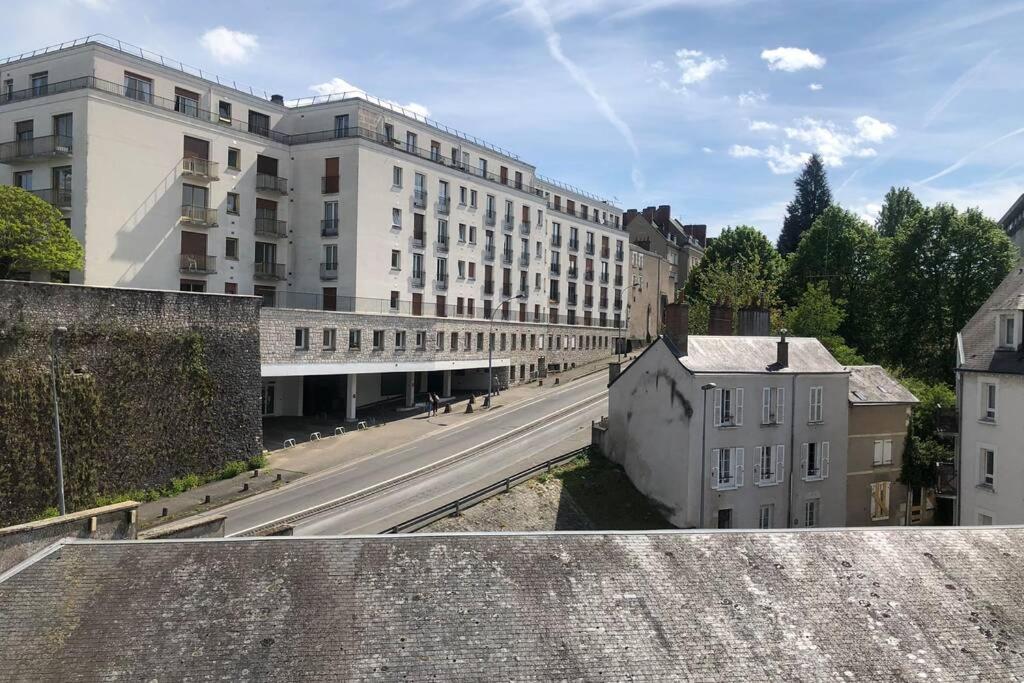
(152, 384)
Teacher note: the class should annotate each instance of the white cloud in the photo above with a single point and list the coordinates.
(696, 67)
(835, 144)
(780, 160)
(792, 59)
(815, 87)
(707, 150)
(743, 151)
(762, 126)
(229, 47)
(867, 211)
(751, 98)
(871, 129)
(337, 86)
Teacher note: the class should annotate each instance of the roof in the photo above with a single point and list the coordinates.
(850, 604)
(871, 384)
(1009, 219)
(978, 338)
(707, 353)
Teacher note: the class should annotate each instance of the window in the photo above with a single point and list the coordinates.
(410, 141)
(989, 392)
(462, 195)
(469, 341)
(815, 405)
(231, 248)
(394, 299)
(231, 204)
(454, 341)
(186, 102)
(728, 407)
(773, 402)
(378, 340)
(136, 87)
(725, 518)
(880, 500)
(396, 176)
(234, 159)
(400, 340)
(421, 340)
(462, 232)
(769, 465)
(472, 270)
(479, 340)
(472, 234)
(330, 338)
(191, 286)
(301, 338)
(811, 513)
(39, 82)
(462, 271)
(472, 200)
(483, 167)
(341, 126)
(224, 111)
(389, 132)
(354, 338)
(728, 472)
(988, 467)
(259, 124)
(883, 452)
(1007, 331)
(815, 461)
(231, 288)
(439, 343)
(766, 517)
(396, 219)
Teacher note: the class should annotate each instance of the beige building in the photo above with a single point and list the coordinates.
(879, 415)
(681, 245)
(652, 288)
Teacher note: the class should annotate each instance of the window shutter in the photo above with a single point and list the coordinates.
(878, 452)
(758, 454)
(740, 461)
(715, 455)
(739, 408)
(766, 405)
(887, 452)
(824, 459)
(780, 410)
(718, 408)
(875, 502)
(803, 464)
(780, 463)
(885, 499)
(810, 406)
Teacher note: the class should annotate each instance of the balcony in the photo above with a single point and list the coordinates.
(572, 272)
(508, 223)
(506, 289)
(419, 199)
(506, 257)
(329, 227)
(60, 198)
(525, 227)
(556, 268)
(489, 287)
(604, 302)
(553, 297)
(267, 226)
(199, 215)
(574, 244)
(524, 260)
(605, 253)
(328, 271)
(330, 184)
(198, 264)
(271, 183)
(588, 302)
(570, 299)
(199, 169)
(35, 148)
(444, 204)
(441, 245)
(589, 249)
(556, 240)
(418, 278)
(419, 240)
(441, 283)
(268, 271)
(618, 280)
(620, 255)
(618, 304)
(588, 275)
(604, 278)
(489, 252)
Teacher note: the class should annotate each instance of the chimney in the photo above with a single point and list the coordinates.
(754, 322)
(628, 217)
(613, 371)
(663, 215)
(277, 99)
(782, 359)
(677, 324)
(720, 320)
(697, 232)
(648, 213)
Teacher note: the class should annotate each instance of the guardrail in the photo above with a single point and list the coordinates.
(469, 500)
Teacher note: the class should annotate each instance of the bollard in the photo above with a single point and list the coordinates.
(245, 487)
(279, 477)
(255, 473)
(556, 381)
(469, 407)
(206, 501)
(164, 513)
(447, 408)
(487, 401)
(540, 383)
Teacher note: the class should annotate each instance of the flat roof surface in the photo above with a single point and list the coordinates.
(706, 353)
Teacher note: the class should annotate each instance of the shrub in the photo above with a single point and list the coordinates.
(257, 462)
(233, 469)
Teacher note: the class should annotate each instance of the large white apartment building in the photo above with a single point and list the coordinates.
(344, 203)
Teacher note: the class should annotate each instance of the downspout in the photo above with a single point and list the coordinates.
(792, 451)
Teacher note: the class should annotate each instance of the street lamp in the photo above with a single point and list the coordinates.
(490, 344)
(703, 451)
(58, 332)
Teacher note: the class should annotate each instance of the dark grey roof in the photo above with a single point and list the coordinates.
(706, 353)
(978, 338)
(855, 604)
(872, 384)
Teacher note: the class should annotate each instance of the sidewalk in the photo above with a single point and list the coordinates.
(310, 457)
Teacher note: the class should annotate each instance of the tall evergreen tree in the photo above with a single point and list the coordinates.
(813, 196)
(899, 207)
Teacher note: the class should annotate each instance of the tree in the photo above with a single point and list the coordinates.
(818, 315)
(813, 196)
(924, 447)
(944, 265)
(33, 235)
(900, 207)
(736, 248)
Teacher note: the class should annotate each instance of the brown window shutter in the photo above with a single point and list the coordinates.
(193, 243)
(196, 148)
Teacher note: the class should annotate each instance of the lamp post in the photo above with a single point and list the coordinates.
(490, 344)
(54, 346)
(703, 450)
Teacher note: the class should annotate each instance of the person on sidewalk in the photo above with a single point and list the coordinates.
(433, 402)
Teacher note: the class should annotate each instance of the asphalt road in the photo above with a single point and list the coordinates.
(585, 399)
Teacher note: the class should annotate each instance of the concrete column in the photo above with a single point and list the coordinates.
(350, 406)
(446, 389)
(410, 389)
(423, 381)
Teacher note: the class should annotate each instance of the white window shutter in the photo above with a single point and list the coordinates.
(758, 453)
(885, 499)
(824, 459)
(739, 407)
(718, 407)
(878, 459)
(887, 452)
(766, 405)
(780, 463)
(803, 464)
(875, 499)
(810, 406)
(738, 467)
(715, 454)
(780, 410)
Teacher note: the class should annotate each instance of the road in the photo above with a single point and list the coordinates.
(576, 405)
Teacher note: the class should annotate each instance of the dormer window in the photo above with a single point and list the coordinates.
(1008, 331)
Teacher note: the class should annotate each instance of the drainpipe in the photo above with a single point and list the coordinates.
(792, 451)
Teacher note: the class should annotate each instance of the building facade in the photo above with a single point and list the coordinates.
(1013, 223)
(990, 403)
(745, 432)
(336, 204)
(654, 229)
(652, 288)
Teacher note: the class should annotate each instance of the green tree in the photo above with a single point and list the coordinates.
(900, 207)
(818, 315)
(736, 247)
(813, 196)
(33, 235)
(944, 264)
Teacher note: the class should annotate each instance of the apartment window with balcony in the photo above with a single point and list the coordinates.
(330, 339)
(728, 407)
(389, 132)
(396, 219)
(378, 340)
(231, 248)
(435, 150)
(195, 200)
(341, 126)
(815, 461)
(354, 339)
(224, 111)
(330, 255)
(472, 199)
(442, 270)
(417, 268)
(989, 396)
(410, 141)
(186, 102)
(815, 408)
(483, 167)
(231, 203)
(419, 194)
(9, 89)
(811, 511)
(987, 467)
(234, 159)
(396, 259)
(259, 123)
(136, 87)
(301, 338)
(728, 470)
(882, 452)
(773, 405)
(396, 177)
(393, 301)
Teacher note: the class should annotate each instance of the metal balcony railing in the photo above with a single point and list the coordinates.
(553, 297)
(604, 302)
(444, 204)
(419, 240)
(268, 271)
(489, 253)
(330, 184)
(441, 245)
(199, 215)
(589, 249)
(618, 304)
(489, 287)
(441, 283)
(588, 301)
(605, 252)
(200, 264)
(574, 245)
(524, 260)
(328, 271)
(556, 268)
(506, 257)
(620, 254)
(556, 240)
(588, 275)
(571, 299)
(508, 223)
(419, 199)
(489, 217)
(329, 227)
(418, 278)
(618, 280)
(572, 272)
(61, 198)
(271, 183)
(506, 289)
(34, 148)
(271, 227)
(604, 278)
(200, 169)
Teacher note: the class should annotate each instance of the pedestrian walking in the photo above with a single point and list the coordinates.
(434, 401)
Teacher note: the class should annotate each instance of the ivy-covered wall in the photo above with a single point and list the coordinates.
(152, 386)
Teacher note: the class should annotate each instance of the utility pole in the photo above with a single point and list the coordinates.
(490, 344)
(54, 347)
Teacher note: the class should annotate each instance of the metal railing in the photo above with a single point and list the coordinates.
(588, 301)
(271, 227)
(330, 184)
(43, 146)
(604, 302)
(441, 246)
(588, 275)
(419, 239)
(574, 244)
(489, 287)
(618, 304)
(418, 278)
(508, 223)
(60, 197)
(604, 278)
(195, 167)
(618, 280)
(556, 240)
(489, 253)
(506, 257)
(571, 299)
(329, 227)
(556, 268)
(620, 254)
(444, 204)
(271, 183)
(268, 271)
(199, 215)
(419, 199)
(328, 271)
(489, 217)
(589, 249)
(572, 273)
(441, 283)
(200, 264)
(524, 260)
(525, 227)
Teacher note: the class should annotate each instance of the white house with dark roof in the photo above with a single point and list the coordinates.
(745, 432)
(990, 401)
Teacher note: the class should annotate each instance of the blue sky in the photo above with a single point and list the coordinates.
(707, 105)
